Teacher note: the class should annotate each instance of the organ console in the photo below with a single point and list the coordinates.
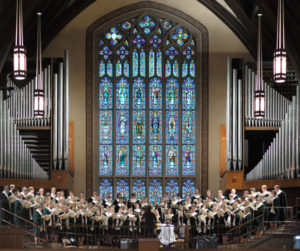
(281, 159)
(16, 112)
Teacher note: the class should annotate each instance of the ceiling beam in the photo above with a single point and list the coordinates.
(234, 24)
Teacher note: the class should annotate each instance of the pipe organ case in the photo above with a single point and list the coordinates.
(16, 112)
(281, 159)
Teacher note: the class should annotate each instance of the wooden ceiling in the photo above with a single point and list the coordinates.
(58, 13)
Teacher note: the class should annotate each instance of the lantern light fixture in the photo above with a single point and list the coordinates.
(280, 55)
(39, 98)
(259, 94)
(19, 50)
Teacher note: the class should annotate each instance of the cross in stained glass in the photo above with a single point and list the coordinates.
(114, 36)
(105, 52)
(139, 41)
(180, 36)
(155, 40)
(172, 52)
(122, 52)
(188, 52)
(147, 24)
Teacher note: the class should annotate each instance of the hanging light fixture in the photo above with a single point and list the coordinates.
(19, 51)
(39, 98)
(259, 94)
(280, 55)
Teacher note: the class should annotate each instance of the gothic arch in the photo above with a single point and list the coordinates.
(91, 82)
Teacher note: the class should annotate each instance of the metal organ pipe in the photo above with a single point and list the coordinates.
(60, 117)
(16, 160)
(66, 110)
(240, 124)
(54, 141)
(234, 118)
(229, 115)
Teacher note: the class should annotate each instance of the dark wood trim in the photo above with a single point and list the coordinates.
(234, 24)
(89, 84)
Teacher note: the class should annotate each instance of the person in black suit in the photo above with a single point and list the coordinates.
(149, 220)
(282, 202)
(4, 203)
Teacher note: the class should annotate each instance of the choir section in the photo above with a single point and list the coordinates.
(56, 215)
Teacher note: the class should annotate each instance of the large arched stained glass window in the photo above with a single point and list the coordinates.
(147, 96)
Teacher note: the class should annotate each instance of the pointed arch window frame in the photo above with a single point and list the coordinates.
(201, 178)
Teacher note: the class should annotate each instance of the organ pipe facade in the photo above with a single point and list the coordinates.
(16, 112)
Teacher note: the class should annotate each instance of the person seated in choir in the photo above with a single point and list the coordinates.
(260, 209)
(235, 214)
(208, 194)
(94, 199)
(17, 207)
(137, 208)
(117, 200)
(31, 191)
(282, 202)
(158, 217)
(81, 196)
(174, 203)
(197, 195)
(170, 217)
(235, 196)
(131, 222)
(23, 189)
(119, 204)
(231, 199)
(192, 220)
(253, 192)
(181, 216)
(274, 203)
(246, 221)
(11, 188)
(41, 192)
(188, 204)
(246, 194)
(4, 203)
(212, 219)
(202, 222)
(264, 191)
(132, 201)
(37, 220)
(220, 196)
(47, 218)
(118, 221)
(144, 202)
(108, 201)
(53, 193)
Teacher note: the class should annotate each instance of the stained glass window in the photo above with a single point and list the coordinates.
(155, 190)
(147, 99)
(172, 188)
(105, 189)
(139, 188)
(105, 160)
(188, 189)
(123, 188)
(188, 160)
(171, 160)
(139, 160)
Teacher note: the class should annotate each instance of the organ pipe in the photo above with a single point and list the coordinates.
(66, 109)
(281, 160)
(229, 116)
(16, 159)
